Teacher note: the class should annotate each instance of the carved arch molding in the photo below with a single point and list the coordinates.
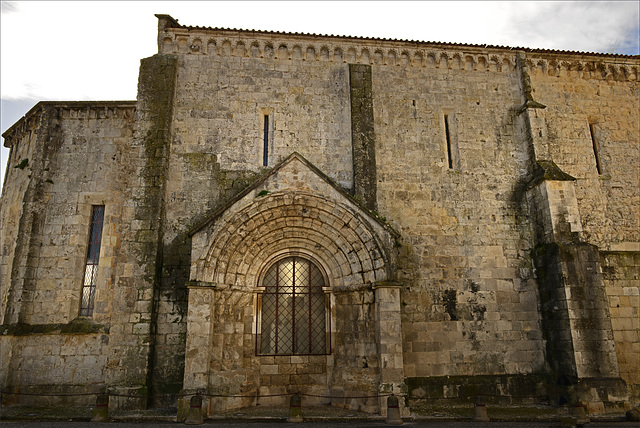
(350, 247)
(294, 211)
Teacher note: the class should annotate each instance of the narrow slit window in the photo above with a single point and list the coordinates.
(596, 148)
(91, 265)
(265, 144)
(447, 134)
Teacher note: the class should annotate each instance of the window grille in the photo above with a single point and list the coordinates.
(91, 265)
(293, 310)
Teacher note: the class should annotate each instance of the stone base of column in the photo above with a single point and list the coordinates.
(598, 395)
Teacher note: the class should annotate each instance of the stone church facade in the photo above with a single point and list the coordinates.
(342, 217)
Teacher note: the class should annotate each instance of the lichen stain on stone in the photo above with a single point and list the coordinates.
(449, 300)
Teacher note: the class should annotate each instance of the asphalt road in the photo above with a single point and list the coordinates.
(357, 424)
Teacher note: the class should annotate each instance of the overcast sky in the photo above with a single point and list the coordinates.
(91, 50)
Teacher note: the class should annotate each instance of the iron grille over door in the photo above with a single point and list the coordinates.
(293, 310)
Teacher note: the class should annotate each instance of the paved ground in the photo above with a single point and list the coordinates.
(315, 417)
(355, 424)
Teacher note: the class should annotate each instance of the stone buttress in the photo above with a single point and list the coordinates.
(576, 322)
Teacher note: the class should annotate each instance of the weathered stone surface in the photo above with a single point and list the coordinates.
(363, 140)
(474, 212)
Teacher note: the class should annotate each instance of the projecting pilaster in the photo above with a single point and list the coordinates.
(576, 322)
(389, 339)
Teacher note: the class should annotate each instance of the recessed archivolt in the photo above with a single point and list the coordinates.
(507, 65)
(342, 256)
(481, 64)
(241, 50)
(226, 48)
(443, 61)
(345, 269)
(494, 63)
(365, 57)
(310, 54)
(378, 57)
(404, 59)
(432, 61)
(196, 46)
(582, 69)
(392, 58)
(469, 63)
(167, 43)
(456, 62)
(352, 56)
(419, 58)
(347, 247)
(254, 50)
(324, 53)
(337, 55)
(283, 51)
(267, 51)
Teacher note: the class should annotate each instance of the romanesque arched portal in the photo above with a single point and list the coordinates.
(293, 216)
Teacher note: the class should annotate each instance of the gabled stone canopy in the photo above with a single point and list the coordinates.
(295, 209)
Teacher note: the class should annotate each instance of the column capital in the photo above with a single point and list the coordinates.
(386, 284)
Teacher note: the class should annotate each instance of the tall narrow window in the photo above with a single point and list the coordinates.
(265, 146)
(91, 265)
(596, 148)
(293, 317)
(447, 134)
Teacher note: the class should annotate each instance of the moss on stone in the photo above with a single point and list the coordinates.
(77, 326)
(23, 164)
(363, 134)
(449, 300)
(494, 388)
(83, 326)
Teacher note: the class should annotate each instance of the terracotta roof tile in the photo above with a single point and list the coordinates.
(417, 42)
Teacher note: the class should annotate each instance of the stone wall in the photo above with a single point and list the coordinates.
(431, 182)
(54, 363)
(469, 301)
(451, 164)
(74, 156)
(600, 104)
(621, 271)
(590, 130)
(222, 99)
(14, 222)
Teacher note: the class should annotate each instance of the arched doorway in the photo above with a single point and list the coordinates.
(283, 250)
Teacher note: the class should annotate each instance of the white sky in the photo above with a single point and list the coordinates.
(91, 50)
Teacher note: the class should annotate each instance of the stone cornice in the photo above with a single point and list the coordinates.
(80, 110)
(174, 38)
(167, 23)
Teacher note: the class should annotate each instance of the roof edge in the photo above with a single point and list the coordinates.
(68, 104)
(166, 21)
